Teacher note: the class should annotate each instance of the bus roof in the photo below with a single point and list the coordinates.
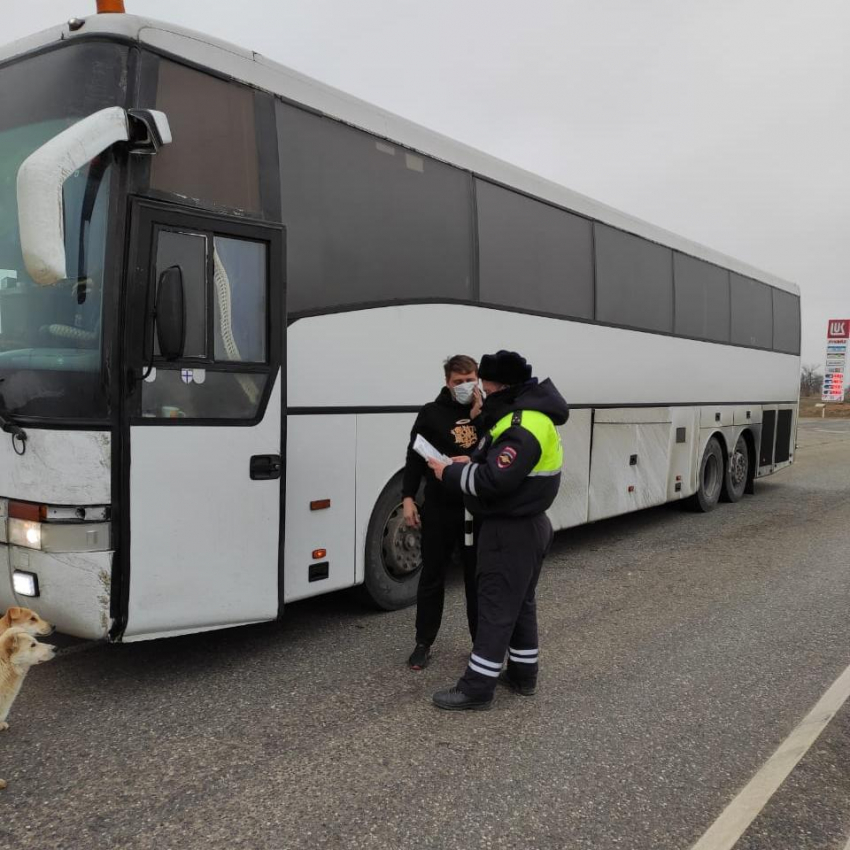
(254, 69)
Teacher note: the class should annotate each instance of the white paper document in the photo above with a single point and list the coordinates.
(423, 448)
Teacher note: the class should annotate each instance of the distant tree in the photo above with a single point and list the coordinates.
(811, 380)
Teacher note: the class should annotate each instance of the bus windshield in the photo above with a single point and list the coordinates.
(51, 336)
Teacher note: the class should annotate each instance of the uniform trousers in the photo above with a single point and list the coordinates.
(510, 555)
(442, 534)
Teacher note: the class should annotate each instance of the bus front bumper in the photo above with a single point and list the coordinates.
(73, 589)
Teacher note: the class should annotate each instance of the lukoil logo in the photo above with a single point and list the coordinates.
(838, 328)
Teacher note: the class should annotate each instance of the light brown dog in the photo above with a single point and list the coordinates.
(26, 619)
(18, 652)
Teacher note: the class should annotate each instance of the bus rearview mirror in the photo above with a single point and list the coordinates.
(170, 315)
(42, 175)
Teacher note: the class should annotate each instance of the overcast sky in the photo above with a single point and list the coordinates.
(726, 121)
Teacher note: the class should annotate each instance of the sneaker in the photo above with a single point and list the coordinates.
(420, 657)
(453, 699)
(526, 688)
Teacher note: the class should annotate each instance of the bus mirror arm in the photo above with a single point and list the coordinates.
(43, 173)
(148, 131)
(170, 313)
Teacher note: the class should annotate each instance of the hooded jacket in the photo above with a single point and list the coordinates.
(444, 423)
(500, 483)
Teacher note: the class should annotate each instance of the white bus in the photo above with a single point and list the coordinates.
(225, 290)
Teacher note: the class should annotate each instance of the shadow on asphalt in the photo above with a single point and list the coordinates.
(348, 607)
(344, 606)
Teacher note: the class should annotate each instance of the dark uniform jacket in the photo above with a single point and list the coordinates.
(445, 424)
(502, 483)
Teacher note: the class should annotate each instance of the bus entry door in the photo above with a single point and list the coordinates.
(204, 418)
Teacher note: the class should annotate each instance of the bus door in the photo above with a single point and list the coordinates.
(200, 537)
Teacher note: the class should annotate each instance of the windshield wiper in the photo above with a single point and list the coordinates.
(8, 425)
(10, 428)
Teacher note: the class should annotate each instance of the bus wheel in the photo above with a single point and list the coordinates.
(737, 472)
(393, 552)
(710, 482)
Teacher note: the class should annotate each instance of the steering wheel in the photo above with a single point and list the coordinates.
(80, 290)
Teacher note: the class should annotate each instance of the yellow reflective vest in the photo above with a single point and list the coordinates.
(544, 431)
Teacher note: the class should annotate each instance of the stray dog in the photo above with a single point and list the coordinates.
(18, 652)
(27, 619)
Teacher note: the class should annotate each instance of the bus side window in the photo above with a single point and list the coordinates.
(225, 288)
(239, 294)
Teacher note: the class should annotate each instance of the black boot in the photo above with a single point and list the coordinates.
(523, 687)
(453, 699)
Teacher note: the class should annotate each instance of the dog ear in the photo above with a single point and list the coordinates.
(9, 644)
(15, 612)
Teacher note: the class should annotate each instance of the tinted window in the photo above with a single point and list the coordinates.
(533, 256)
(752, 312)
(213, 155)
(68, 84)
(786, 322)
(367, 220)
(225, 296)
(634, 281)
(702, 299)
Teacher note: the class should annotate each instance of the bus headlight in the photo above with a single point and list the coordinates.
(58, 529)
(23, 532)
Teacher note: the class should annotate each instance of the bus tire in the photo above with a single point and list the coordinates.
(393, 552)
(737, 471)
(710, 480)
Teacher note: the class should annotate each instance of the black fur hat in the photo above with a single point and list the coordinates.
(504, 367)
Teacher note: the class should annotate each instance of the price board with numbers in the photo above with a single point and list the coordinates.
(837, 335)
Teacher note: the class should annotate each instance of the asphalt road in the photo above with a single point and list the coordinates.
(677, 650)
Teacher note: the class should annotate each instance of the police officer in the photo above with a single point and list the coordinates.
(510, 481)
(449, 424)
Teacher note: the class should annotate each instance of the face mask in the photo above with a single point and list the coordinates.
(463, 393)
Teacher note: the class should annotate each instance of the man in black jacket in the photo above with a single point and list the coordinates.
(512, 479)
(448, 423)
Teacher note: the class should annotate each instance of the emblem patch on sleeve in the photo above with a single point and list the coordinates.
(506, 457)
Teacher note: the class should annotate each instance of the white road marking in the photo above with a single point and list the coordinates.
(724, 833)
(847, 845)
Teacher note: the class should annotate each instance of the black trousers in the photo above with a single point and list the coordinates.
(510, 555)
(442, 534)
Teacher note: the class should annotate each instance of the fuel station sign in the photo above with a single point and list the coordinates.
(837, 335)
